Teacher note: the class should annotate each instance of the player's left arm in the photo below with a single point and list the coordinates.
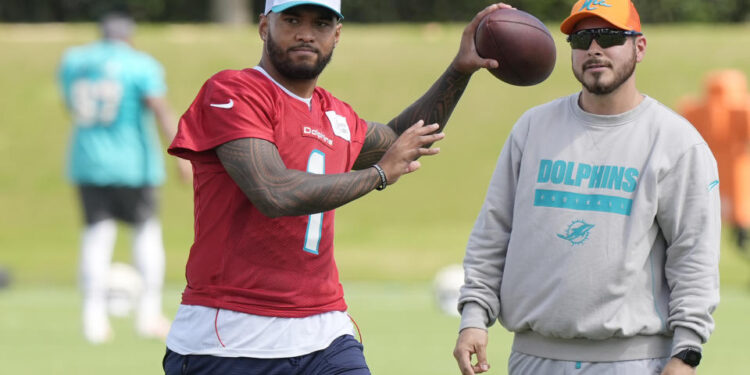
(168, 124)
(434, 107)
(437, 104)
(689, 216)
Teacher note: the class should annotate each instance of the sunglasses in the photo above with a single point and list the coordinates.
(605, 38)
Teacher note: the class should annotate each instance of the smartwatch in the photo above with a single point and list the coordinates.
(691, 357)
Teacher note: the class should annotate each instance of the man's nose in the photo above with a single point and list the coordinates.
(305, 34)
(595, 48)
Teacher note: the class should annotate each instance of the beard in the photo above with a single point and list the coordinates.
(284, 65)
(599, 86)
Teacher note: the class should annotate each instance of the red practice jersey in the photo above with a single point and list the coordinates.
(242, 260)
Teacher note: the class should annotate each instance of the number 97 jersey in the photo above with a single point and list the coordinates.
(114, 141)
(242, 260)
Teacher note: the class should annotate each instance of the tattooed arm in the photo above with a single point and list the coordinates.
(437, 104)
(257, 168)
(378, 139)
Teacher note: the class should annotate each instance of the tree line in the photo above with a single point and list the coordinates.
(370, 11)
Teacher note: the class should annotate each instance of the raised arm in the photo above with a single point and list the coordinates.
(437, 104)
(257, 168)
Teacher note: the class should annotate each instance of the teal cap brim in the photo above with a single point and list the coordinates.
(291, 4)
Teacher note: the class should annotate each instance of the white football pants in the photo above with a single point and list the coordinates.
(97, 246)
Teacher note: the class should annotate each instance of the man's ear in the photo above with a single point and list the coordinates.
(263, 26)
(640, 48)
(338, 33)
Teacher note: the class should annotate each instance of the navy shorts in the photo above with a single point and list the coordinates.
(133, 205)
(344, 356)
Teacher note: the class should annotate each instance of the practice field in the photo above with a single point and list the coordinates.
(389, 244)
(402, 330)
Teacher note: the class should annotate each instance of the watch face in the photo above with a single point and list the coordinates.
(690, 357)
(693, 357)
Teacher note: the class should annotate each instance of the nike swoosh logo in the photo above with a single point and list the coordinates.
(225, 105)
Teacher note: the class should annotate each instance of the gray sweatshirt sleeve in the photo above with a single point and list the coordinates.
(690, 219)
(479, 301)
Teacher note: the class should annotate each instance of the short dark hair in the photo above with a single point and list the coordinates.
(117, 24)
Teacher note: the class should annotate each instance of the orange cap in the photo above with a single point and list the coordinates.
(620, 13)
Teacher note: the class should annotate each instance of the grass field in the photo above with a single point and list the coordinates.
(389, 244)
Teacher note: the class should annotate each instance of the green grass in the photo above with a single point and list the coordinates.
(389, 244)
(402, 330)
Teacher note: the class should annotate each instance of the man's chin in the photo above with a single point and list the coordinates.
(301, 74)
(306, 67)
(301, 67)
(598, 86)
(600, 89)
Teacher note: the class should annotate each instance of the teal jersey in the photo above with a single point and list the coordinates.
(114, 140)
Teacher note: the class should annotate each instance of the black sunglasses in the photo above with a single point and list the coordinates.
(605, 38)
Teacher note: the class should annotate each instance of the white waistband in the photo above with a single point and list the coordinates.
(614, 349)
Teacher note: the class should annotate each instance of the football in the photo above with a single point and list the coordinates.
(124, 287)
(520, 43)
(446, 288)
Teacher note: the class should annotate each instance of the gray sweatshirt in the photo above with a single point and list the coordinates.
(599, 236)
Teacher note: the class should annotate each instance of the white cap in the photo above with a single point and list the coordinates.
(279, 6)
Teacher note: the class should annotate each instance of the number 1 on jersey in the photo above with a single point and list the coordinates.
(315, 164)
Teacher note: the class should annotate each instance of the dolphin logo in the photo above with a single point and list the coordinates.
(577, 233)
(593, 4)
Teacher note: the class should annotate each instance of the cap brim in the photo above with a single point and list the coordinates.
(569, 23)
(291, 4)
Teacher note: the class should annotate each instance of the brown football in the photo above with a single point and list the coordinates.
(520, 43)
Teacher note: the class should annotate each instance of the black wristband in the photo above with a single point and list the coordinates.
(383, 181)
(691, 357)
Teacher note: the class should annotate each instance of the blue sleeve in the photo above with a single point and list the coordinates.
(151, 82)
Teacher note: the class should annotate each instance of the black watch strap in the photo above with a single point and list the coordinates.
(691, 357)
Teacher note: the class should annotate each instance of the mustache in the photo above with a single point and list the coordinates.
(596, 62)
(304, 47)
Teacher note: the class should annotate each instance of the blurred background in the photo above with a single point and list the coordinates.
(202, 11)
(390, 244)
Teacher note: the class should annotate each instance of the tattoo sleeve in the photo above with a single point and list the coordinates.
(257, 168)
(435, 106)
(377, 140)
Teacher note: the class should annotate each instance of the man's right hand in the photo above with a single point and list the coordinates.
(472, 341)
(401, 157)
